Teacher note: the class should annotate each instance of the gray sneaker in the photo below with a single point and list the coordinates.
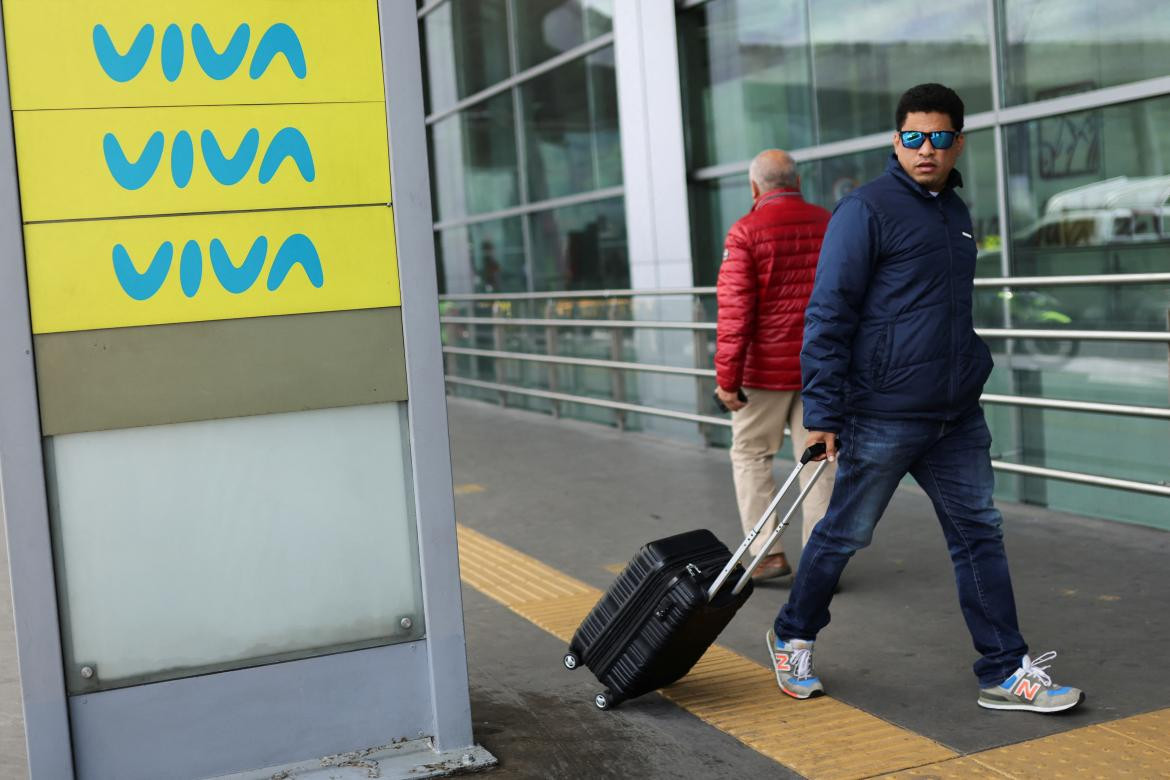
(1030, 688)
(792, 662)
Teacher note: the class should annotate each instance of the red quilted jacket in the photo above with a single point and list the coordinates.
(769, 264)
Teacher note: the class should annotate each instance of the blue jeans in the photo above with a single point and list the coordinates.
(952, 463)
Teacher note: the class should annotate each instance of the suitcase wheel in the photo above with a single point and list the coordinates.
(604, 700)
(571, 661)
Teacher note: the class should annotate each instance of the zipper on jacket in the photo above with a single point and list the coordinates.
(953, 367)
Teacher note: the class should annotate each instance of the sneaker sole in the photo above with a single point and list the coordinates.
(769, 639)
(1030, 707)
(800, 697)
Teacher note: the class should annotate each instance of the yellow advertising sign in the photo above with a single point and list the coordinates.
(125, 272)
(134, 161)
(120, 53)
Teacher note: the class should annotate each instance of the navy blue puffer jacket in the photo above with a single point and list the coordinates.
(888, 331)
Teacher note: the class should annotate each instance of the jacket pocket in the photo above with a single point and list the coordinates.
(880, 358)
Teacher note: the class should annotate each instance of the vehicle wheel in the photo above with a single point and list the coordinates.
(571, 661)
(1050, 351)
(603, 701)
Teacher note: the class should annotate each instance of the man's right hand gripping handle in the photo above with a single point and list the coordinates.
(823, 444)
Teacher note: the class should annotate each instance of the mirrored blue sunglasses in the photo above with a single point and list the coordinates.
(939, 139)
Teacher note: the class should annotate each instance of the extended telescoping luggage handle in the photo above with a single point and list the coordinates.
(810, 453)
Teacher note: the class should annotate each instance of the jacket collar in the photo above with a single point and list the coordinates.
(771, 196)
(894, 168)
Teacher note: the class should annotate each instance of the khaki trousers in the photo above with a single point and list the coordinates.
(757, 432)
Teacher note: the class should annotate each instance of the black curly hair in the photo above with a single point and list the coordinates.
(930, 98)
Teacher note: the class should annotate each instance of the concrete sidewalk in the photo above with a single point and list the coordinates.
(582, 498)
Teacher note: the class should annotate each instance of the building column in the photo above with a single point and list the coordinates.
(653, 147)
(657, 218)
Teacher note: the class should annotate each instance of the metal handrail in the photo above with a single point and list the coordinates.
(539, 296)
(576, 323)
(587, 401)
(1057, 334)
(1054, 334)
(1007, 281)
(1152, 488)
(1077, 477)
(1066, 281)
(700, 330)
(586, 362)
(1126, 410)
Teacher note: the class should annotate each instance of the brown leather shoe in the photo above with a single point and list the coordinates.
(772, 566)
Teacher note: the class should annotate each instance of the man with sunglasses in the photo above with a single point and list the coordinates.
(892, 372)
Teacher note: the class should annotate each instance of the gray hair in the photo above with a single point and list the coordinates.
(773, 169)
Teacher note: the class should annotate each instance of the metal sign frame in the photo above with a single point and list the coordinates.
(267, 715)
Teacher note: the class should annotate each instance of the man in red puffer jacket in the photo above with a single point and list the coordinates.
(769, 264)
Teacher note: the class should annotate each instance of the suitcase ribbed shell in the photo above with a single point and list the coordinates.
(654, 622)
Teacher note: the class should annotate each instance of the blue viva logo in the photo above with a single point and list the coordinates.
(219, 65)
(288, 144)
(297, 249)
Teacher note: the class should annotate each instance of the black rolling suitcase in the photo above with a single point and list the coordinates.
(669, 604)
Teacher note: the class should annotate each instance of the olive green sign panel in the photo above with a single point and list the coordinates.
(130, 377)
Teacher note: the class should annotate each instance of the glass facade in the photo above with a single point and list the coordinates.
(717, 203)
(580, 247)
(1086, 192)
(1089, 194)
(1083, 191)
(462, 52)
(571, 129)
(794, 74)
(552, 27)
(865, 55)
(473, 160)
(526, 167)
(744, 64)
(1055, 47)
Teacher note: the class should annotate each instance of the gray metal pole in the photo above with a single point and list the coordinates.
(23, 505)
(434, 500)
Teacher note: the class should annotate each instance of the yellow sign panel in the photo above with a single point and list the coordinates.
(115, 53)
(120, 273)
(126, 162)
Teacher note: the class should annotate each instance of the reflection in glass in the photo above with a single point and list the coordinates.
(746, 79)
(473, 159)
(1088, 194)
(715, 205)
(1054, 47)
(718, 203)
(482, 257)
(580, 247)
(826, 181)
(571, 128)
(865, 55)
(1081, 182)
(465, 49)
(546, 28)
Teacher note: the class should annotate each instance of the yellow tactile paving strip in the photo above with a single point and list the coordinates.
(965, 768)
(820, 738)
(1136, 747)
(825, 739)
